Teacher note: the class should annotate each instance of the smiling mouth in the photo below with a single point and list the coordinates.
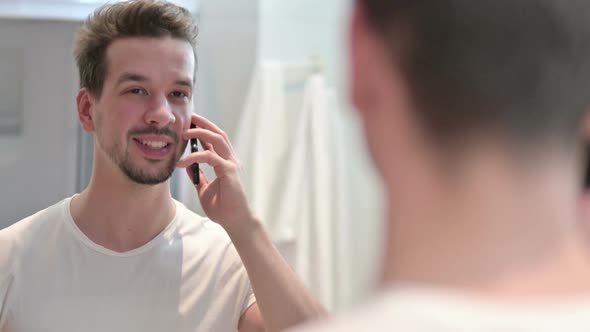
(154, 145)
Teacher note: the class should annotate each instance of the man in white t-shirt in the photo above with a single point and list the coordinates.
(123, 255)
(473, 113)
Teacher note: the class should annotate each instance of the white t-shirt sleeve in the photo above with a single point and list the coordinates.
(7, 255)
(4, 281)
(249, 300)
(235, 277)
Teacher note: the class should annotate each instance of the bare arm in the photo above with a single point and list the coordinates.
(282, 299)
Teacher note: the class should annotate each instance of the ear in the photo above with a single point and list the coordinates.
(360, 62)
(85, 102)
(585, 127)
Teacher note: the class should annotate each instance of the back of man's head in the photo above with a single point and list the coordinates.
(520, 68)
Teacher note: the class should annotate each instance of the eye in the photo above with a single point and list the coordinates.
(138, 91)
(179, 94)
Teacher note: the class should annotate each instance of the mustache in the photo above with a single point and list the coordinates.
(155, 131)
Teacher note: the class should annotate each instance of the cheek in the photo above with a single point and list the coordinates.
(117, 118)
(128, 109)
(128, 114)
(183, 118)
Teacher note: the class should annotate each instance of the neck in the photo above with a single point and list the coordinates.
(119, 214)
(498, 230)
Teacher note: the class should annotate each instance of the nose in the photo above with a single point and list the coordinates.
(160, 113)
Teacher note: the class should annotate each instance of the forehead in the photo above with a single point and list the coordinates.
(157, 58)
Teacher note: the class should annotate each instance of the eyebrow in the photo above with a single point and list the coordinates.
(140, 78)
(186, 82)
(131, 77)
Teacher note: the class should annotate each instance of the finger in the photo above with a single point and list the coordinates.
(204, 157)
(203, 183)
(234, 159)
(207, 146)
(210, 140)
(203, 122)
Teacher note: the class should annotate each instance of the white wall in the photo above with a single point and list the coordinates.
(39, 168)
(294, 31)
(227, 51)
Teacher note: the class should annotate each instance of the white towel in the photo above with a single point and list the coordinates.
(300, 157)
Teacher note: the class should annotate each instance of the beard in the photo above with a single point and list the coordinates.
(140, 175)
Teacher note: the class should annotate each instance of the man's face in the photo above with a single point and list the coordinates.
(145, 106)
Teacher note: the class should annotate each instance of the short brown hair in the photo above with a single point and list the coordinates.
(520, 68)
(135, 18)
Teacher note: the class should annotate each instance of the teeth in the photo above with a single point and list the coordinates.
(154, 144)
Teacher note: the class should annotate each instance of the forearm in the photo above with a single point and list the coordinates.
(282, 298)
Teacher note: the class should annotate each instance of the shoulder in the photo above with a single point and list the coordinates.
(441, 310)
(206, 241)
(199, 232)
(381, 313)
(207, 245)
(193, 224)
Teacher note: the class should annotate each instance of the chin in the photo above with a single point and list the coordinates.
(149, 175)
(148, 180)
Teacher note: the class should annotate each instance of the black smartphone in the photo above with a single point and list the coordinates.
(195, 166)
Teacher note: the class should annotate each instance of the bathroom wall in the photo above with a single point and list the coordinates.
(38, 164)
